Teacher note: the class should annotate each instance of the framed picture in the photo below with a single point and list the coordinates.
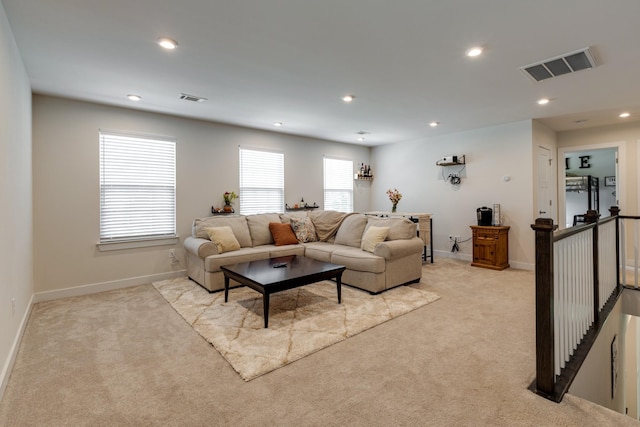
(609, 181)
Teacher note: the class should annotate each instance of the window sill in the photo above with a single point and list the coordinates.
(132, 244)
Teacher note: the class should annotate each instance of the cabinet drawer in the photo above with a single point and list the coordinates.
(489, 234)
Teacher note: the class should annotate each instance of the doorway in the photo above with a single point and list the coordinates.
(588, 179)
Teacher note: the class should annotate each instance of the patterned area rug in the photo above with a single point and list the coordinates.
(301, 321)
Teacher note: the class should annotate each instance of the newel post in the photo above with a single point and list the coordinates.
(545, 375)
(592, 217)
(615, 211)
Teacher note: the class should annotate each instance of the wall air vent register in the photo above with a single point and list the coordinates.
(192, 98)
(564, 64)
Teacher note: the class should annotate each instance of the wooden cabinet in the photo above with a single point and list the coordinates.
(490, 247)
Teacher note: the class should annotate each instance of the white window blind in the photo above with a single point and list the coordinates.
(261, 181)
(137, 187)
(338, 185)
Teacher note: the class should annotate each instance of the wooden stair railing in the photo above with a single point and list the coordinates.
(570, 307)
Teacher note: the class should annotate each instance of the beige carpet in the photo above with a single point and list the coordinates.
(301, 321)
(126, 358)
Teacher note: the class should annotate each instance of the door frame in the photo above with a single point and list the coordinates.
(621, 171)
(551, 209)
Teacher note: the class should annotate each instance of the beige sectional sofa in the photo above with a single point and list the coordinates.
(338, 239)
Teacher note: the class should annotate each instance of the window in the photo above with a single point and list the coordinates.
(137, 188)
(261, 181)
(338, 185)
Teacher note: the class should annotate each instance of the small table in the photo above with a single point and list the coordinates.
(263, 277)
(490, 246)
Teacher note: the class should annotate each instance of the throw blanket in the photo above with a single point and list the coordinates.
(327, 223)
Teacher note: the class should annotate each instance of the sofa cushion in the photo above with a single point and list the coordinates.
(304, 229)
(277, 251)
(286, 217)
(320, 251)
(237, 223)
(372, 236)
(212, 263)
(282, 234)
(259, 228)
(358, 260)
(399, 228)
(350, 231)
(223, 238)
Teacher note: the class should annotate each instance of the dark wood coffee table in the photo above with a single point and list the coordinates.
(263, 277)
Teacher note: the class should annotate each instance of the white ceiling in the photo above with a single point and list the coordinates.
(262, 61)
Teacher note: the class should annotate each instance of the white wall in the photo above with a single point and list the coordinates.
(593, 381)
(66, 187)
(16, 245)
(491, 154)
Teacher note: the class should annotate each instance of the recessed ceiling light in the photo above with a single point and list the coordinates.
(133, 97)
(277, 124)
(474, 51)
(167, 43)
(543, 101)
(348, 98)
(434, 124)
(624, 115)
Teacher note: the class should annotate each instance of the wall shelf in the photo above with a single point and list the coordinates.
(306, 207)
(461, 161)
(364, 178)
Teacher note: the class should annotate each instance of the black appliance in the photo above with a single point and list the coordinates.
(485, 215)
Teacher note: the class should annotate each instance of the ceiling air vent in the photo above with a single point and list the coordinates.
(192, 98)
(564, 64)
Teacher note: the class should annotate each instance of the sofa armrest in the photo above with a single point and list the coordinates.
(202, 248)
(392, 249)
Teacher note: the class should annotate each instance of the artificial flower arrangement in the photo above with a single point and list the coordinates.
(394, 196)
(229, 197)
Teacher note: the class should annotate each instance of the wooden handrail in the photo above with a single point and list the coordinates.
(547, 383)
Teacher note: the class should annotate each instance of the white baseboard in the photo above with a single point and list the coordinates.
(73, 292)
(105, 286)
(13, 352)
(466, 257)
(452, 255)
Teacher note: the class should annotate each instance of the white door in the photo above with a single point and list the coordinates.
(545, 208)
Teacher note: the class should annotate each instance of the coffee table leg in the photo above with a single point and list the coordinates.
(339, 282)
(226, 288)
(265, 307)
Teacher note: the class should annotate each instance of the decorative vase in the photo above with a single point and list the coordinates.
(394, 208)
(227, 208)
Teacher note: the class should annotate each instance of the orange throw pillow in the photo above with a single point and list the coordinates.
(282, 234)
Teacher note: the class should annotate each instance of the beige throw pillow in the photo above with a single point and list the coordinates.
(223, 238)
(372, 236)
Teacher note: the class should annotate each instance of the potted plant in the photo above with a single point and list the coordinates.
(229, 197)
